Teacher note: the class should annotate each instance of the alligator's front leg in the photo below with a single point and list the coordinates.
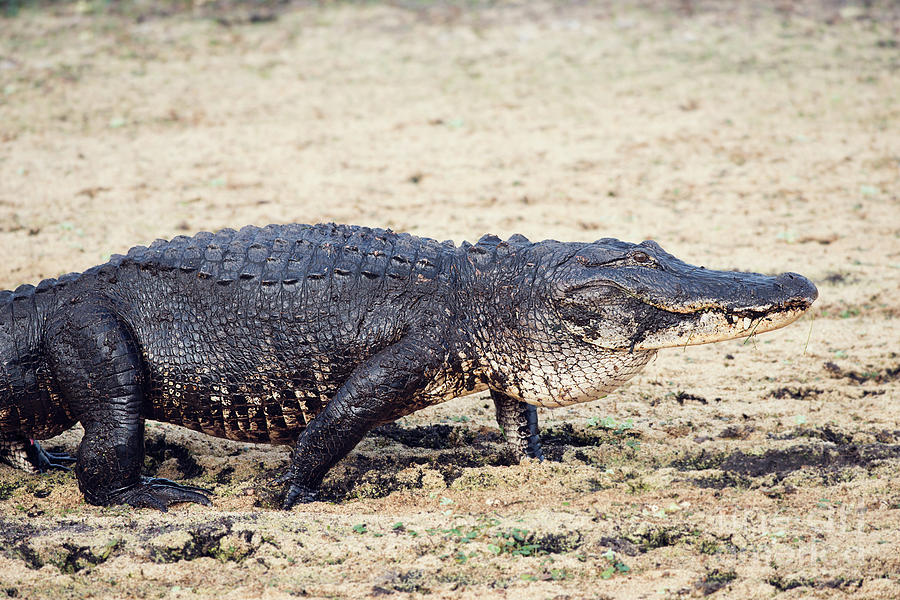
(519, 424)
(44, 460)
(378, 391)
(98, 367)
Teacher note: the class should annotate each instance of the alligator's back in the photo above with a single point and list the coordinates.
(247, 334)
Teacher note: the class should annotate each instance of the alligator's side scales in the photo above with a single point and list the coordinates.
(312, 335)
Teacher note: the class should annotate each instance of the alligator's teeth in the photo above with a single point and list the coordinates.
(746, 322)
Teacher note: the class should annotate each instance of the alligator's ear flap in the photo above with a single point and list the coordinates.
(512, 245)
(488, 240)
(488, 244)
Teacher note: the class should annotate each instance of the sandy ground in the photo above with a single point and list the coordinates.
(737, 138)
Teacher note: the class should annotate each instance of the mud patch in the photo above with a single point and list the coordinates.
(559, 543)
(646, 537)
(430, 456)
(682, 397)
(715, 580)
(556, 440)
(840, 278)
(409, 582)
(157, 451)
(783, 584)
(723, 480)
(215, 540)
(796, 393)
(435, 437)
(781, 462)
(699, 461)
(68, 557)
(739, 468)
(223, 477)
(824, 433)
(877, 376)
(14, 531)
(737, 433)
(366, 476)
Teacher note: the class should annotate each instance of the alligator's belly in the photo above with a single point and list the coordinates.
(261, 405)
(268, 407)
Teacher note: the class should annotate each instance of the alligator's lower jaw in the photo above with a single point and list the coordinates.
(707, 326)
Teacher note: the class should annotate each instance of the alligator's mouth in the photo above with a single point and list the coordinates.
(717, 324)
(614, 317)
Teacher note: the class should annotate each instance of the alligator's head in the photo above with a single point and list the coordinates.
(623, 296)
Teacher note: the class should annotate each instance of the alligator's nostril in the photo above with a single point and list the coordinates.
(796, 286)
(800, 286)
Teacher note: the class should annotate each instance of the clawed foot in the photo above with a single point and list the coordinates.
(153, 492)
(296, 493)
(535, 453)
(42, 460)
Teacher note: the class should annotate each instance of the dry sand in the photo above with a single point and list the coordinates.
(737, 138)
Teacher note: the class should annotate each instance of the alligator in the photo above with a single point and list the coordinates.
(312, 335)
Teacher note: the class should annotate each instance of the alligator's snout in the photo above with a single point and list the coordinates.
(798, 290)
(650, 300)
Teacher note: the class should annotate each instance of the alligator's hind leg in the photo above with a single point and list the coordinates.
(98, 367)
(28, 455)
(518, 422)
(378, 391)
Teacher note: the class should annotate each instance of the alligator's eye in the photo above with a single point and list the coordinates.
(641, 257)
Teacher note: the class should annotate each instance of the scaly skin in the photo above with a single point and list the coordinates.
(313, 335)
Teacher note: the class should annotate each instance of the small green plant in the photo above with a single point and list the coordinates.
(610, 423)
(460, 535)
(361, 528)
(514, 542)
(615, 565)
(620, 430)
(7, 488)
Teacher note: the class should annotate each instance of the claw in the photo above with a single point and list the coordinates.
(42, 460)
(160, 494)
(283, 478)
(163, 482)
(298, 493)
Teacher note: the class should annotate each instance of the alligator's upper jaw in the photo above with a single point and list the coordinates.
(752, 304)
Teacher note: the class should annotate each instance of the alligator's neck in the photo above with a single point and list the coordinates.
(491, 300)
(511, 338)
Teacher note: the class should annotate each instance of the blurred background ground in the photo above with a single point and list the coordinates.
(758, 136)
